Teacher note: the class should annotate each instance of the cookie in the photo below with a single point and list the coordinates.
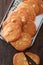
(27, 58)
(8, 19)
(34, 57)
(27, 9)
(24, 0)
(31, 13)
(11, 31)
(23, 15)
(30, 28)
(41, 6)
(31, 1)
(12, 17)
(23, 42)
(34, 5)
(19, 59)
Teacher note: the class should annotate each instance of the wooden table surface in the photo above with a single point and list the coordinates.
(3, 7)
(7, 51)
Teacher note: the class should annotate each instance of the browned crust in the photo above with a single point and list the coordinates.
(19, 59)
(22, 43)
(11, 31)
(30, 28)
(34, 57)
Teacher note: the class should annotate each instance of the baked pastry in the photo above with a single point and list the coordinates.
(30, 28)
(34, 5)
(11, 31)
(23, 42)
(34, 57)
(19, 59)
(23, 15)
(40, 6)
(12, 17)
(26, 59)
(8, 19)
(12, 28)
(30, 5)
(27, 9)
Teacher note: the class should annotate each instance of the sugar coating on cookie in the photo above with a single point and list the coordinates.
(19, 59)
(34, 57)
(11, 31)
(23, 42)
(30, 28)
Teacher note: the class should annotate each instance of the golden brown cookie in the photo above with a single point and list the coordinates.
(24, 0)
(32, 1)
(26, 59)
(23, 42)
(34, 5)
(23, 15)
(41, 6)
(30, 28)
(12, 17)
(27, 9)
(11, 31)
(30, 12)
(8, 19)
(34, 57)
(19, 59)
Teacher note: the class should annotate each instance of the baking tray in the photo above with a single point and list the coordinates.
(12, 6)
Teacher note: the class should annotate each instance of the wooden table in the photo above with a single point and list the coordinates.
(7, 51)
(3, 7)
